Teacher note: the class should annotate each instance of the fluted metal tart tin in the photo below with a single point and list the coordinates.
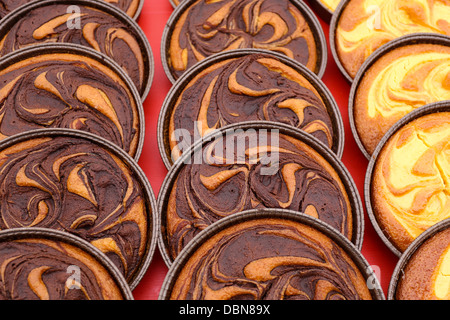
(442, 106)
(409, 252)
(311, 19)
(77, 242)
(318, 146)
(174, 5)
(138, 12)
(13, 17)
(147, 191)
(178, 87)
(82, 51)
(412, 39)
(289, 215)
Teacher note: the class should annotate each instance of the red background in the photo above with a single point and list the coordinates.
(153, 18)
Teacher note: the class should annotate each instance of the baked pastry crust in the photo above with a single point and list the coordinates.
(410, 183)
(401, 81)
(269, 258)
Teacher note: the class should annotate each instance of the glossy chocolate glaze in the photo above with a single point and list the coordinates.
(227, 181)
(270, 259)
(81, 25)
(248, 88)
(130, 7)
(73, 185)
(209, 27)
(68, 91)
(40, 269)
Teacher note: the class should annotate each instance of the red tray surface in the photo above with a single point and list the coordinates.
(154, 16)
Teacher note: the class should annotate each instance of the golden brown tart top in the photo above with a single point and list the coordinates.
(402, 80)
(411, 181)
(365, 25)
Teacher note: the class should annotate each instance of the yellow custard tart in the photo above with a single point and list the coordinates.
(365, 25)
(400, 81)
(426, 276)
(410, 189)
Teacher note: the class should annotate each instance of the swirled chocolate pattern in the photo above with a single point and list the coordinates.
(411, 181)
(81, 25)
(270, 259)
(68, 91)
(130, 7)
(401, 81)
(270, 170)
(73, 185)
(427, 274)
(41, 269)
(248, 88)
(365, 25)
(209, 27)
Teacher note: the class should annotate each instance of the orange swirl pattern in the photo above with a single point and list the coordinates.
(269, 259)
(38, 269)
(411, 181)
(280, 172)
(88, 27)
(73, 185)
(209, 27)
(366, 25)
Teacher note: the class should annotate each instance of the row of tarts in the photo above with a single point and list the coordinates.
(261, 206)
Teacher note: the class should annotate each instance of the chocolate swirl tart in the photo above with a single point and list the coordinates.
(93, 24)
(407, 182)
(247, 85)
(422, 272)
(130, 7)
(44, 264)
(200, 28)
(255, 165)
(70, 86)
(270, 255)
(358, 28)
(404, 75)
(76, 182)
